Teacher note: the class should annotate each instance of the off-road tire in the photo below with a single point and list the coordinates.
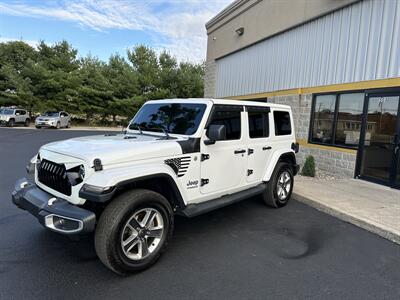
(270, 196)
(11, 123)
(111, 224)
(26, 123)
(68, 125)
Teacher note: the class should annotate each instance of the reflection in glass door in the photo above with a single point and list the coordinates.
(379, 159)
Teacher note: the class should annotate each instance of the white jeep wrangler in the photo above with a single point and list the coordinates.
(183, 157)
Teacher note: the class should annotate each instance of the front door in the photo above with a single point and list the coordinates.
(379, 151)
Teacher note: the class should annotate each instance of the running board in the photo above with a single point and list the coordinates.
(193, 210)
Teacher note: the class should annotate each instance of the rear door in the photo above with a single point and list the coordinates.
(259, 142)
(223, 165)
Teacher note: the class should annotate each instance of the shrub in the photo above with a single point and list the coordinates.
(309, 167)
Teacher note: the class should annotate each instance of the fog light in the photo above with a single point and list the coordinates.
(63, 224)
(23, 184)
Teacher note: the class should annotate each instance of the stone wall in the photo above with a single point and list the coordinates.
(210, 79)
(336, 163)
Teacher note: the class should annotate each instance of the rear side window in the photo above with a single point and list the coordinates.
(258, 124)
(230, 117)
(282, 123)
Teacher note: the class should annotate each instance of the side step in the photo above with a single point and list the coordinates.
(193, 210)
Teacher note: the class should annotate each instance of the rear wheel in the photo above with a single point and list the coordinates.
(58, 126)
(280, 187)
(133, 231)
(68, 124)
(26, 124)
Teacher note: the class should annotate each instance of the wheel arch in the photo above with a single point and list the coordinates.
(288, 157)
(161, 183)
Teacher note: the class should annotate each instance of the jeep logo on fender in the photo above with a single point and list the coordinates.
(192, 184)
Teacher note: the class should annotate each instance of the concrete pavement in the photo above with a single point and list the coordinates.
(373, 207)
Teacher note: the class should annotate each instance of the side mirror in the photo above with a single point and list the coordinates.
(215, 133)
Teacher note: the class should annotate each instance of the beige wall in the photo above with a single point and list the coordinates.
(261, 19)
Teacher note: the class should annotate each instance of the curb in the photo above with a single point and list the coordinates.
(349, 218)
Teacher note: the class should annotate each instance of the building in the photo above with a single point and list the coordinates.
(335, 62)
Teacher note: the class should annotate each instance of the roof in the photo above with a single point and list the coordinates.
(221, 101)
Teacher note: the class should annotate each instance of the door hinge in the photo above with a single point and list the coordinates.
(205, 157)
(250, 151)
(204, 181)
(249, 172)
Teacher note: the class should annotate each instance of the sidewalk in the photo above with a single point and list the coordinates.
(370, 206)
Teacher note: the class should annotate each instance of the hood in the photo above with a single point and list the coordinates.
(119, 148)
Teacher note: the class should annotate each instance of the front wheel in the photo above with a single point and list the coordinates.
(133, 231)
(11, 123)
(280, 187)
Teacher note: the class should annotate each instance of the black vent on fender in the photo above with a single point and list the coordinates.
(179, 164)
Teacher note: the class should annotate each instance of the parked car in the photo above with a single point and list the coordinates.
(183, 157)
(55, 119)
(13, 116)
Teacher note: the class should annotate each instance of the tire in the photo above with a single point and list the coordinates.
(38, 127)
(11, 123)
(26, 123)
(113, 230)
(58, 126)
(69, 125)
(280, 187)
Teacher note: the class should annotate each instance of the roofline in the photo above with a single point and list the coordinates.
(226, 11)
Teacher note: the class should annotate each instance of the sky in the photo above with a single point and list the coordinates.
(105, 27)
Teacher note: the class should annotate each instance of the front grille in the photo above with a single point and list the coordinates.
(54, 176)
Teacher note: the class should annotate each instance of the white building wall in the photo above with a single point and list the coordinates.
(357, 43)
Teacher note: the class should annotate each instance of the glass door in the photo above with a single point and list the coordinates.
(380, 141)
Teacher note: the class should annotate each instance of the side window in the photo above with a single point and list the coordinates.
(23, 112)
(230, 117)
(258, 123)
(63, 114)
(282, 123)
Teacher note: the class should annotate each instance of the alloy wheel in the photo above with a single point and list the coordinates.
(142, 233)
(283, 185)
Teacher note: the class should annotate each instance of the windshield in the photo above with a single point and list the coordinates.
(176, 118)
(7, 111)
(51, 114)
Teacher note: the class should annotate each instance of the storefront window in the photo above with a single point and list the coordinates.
(336, 119)
(323, 116)
(349, 119)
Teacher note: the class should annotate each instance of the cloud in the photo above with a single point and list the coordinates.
(177, 26)
(33, 44)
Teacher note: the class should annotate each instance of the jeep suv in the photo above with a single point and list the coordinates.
(13, 116)
(176, 157)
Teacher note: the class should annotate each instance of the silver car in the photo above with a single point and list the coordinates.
(13, 116)
(54, 119)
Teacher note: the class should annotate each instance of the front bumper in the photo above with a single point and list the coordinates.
(54, 213)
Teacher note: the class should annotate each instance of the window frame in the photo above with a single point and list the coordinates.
(261, 109)
(279, 110)
(227, 107)
(335, 117)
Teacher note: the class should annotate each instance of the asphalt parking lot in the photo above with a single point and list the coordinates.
(245, 251)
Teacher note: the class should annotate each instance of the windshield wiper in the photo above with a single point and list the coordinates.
(166, 133)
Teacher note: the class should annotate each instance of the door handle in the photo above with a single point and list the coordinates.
(240, 151)
(267, 148)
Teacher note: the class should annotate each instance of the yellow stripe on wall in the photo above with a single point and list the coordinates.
(306, 144)
(361, 85)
